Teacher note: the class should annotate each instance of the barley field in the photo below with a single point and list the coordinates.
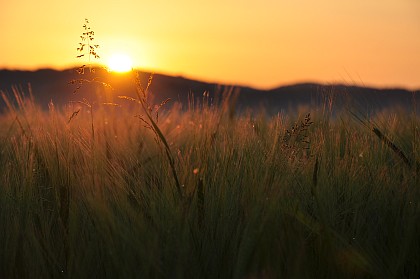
(203, 192)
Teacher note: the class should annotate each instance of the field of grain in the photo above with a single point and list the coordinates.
(102, 193)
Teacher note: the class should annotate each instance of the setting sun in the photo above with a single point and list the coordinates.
(120, 63)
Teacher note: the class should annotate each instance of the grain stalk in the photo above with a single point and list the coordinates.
(87, 48)
(386, 141)
(393, 147)
(296, 142)
(150, 123)
(87, 38)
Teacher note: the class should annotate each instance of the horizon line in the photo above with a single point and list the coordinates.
(260, 88)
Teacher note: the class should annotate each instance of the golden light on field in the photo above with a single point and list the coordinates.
(120, 62)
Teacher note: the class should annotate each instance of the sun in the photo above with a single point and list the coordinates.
(120, 63)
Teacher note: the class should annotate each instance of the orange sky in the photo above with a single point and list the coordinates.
(261, 43)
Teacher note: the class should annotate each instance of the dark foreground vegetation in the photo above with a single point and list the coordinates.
(100, 192)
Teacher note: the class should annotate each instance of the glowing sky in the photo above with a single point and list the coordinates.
(262, 43)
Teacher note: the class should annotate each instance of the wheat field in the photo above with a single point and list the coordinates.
(100, 193)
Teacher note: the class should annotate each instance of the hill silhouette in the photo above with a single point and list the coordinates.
(48, 85)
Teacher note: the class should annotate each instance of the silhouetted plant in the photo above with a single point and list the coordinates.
(152, 124)
(87, 48)
(296, 141)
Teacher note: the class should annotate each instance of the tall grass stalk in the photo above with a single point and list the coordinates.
(142, 98)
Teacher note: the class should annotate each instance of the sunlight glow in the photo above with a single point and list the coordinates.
(120, 63)
(259, 45)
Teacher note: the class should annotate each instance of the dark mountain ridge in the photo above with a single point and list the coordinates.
(50, 85)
